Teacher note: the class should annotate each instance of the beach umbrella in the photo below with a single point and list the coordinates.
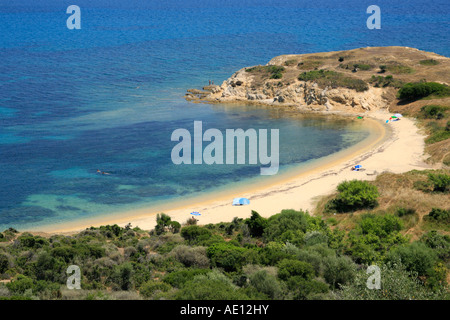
(398, 115)
(195, 213)
(393, 117)
(358, 166)
(240, 201)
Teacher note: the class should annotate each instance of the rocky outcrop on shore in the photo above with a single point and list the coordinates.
(278, 83)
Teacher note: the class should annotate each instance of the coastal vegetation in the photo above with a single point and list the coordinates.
(397, 68)
(382, 82)
(290, 255)
(418, 90)
(309, 64)
(429, 62)
(273, 72)
(333, 79)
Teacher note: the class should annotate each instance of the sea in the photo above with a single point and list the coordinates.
(109, 95)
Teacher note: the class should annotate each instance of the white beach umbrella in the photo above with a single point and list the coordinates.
(398, 115)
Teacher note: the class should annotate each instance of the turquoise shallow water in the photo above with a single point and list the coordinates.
(108, 96)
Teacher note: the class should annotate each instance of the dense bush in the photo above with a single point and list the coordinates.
(415, 257)
(339, 271)
(191, 256)
(227, 256)
(354, 195)
(266, 283)
(195, 234)
(256, 224)
(396, 284)
(291, 255)
(289, 225)
(152, 288)
(211, 286)
(289, 268)
(418, 90)
(401, 212)
(373, 237)
(440, 181)
(438, 215)
(178, 278)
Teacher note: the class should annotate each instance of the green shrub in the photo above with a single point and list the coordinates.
(362, 66)
(163, 222)
(275, 72)
(4, 263)
(438, 215)
(288, 268)
(438, 242)
(306, 289)
(227, 256)
(388, 81)
(399, 69)
(396, 284)
(289, 225)
(429, 62)
(309, 64)
(401, 212)
(437, 132)
(151, 288)
(178, 278)
(441, 182)
(373, 236)
(425, 186)
(416, 257)
(266, 283)
(256, 224)
(339, 271)
(354, 195)
(290, 62)
(433, 112)
(191, 256)
(211, 286)
(333, 79)
(418, 90)
(195, 234)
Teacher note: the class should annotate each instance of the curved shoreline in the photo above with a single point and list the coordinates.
(398, 151)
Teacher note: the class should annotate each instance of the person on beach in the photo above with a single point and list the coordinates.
(209, 82)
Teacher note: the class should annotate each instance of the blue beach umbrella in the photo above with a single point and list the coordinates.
(195, 213)
(240, 201)
(358, 166)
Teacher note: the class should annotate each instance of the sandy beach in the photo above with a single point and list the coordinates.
(398, 147)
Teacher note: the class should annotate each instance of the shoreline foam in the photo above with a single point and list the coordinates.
(397, 151)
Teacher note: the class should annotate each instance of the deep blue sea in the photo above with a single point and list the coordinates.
(109, 95)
